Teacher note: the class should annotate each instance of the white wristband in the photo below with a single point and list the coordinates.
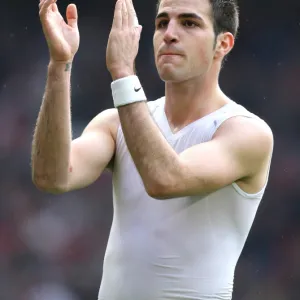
(127, 90)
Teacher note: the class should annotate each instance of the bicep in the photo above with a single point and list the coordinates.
(238, 151)
(91, 152)
(209, 166)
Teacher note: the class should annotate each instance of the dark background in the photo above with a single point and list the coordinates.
(52, 247)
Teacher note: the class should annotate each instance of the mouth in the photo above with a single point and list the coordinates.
(169, 54)
(169, 57)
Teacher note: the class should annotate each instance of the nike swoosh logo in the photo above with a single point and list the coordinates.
(137, 89)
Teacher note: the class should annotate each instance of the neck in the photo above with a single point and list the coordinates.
(191, 100)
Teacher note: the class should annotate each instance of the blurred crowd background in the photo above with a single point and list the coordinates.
(52, 247)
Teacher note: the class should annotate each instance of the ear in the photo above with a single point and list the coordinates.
(224, 44)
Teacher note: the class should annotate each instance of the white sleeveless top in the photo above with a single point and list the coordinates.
(183, 248)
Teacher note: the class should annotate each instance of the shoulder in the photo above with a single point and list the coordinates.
(110, 114)
(250, 140)
(106, 120)
(253, 134)
(238, 124)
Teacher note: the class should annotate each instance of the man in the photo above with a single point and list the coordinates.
(189, 170)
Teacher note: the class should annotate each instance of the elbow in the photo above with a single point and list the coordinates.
(48, 186)
(160, 191)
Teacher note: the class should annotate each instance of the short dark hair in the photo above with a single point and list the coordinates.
(225, 16)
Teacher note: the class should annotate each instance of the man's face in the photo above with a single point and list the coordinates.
(184, 39)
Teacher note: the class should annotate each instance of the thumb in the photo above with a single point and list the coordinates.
(72, 15)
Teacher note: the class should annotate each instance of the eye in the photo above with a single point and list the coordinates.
(162, 24)
(189, 24)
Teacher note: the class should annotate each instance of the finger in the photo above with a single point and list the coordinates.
(132, 18)
(72, 15)
(45, 6)
(124, 14)
(41, 3)
(117, 22)
(54, 7)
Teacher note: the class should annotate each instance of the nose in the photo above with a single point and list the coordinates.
(171, 34)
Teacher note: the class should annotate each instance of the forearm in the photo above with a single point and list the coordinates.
(155, 159)
(52, 138)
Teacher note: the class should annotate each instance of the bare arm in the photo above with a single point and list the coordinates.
(93, 151)
(59, 164)
(239, 149)
(52, 138)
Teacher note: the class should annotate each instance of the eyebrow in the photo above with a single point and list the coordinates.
(181, 16)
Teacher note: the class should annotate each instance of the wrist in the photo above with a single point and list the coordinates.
(59, 70)
(66, 65)
(121, 73)
(120, 76)
(127, 90)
